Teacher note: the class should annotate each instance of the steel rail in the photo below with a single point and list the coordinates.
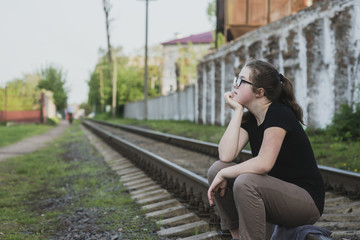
(340, 181)
(184, 142)
(185, 185)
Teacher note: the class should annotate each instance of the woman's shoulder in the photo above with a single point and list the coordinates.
(279, 114)
(280, 108)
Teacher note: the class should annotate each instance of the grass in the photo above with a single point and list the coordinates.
(42, 192)
(335, 152)
(12, 134)
(329, 150)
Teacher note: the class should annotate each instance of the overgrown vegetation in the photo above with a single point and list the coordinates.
(186, 64)
(333, 151)
(53, 79)
(25, 93)
(338, 145)
(130, 79)
(66, 190)
(211, 14)
(21, 94)
(346, 123)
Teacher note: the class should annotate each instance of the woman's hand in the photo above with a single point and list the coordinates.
(219, 182)
(228, 96)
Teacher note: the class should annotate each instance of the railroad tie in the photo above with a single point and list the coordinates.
(175, 219)
(185, 230)
(161, 205)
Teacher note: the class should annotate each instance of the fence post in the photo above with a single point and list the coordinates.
(42, 106)
(5, 106)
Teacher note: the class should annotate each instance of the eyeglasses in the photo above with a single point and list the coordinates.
(238, 81)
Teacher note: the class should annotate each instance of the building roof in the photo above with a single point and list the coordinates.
(198, 38)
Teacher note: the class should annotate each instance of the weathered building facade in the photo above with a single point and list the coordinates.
(196, 46)
(318, 49)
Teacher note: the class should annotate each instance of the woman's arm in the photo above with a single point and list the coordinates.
(264, 162)
(233, 141)
(261, 164)
(234, 138)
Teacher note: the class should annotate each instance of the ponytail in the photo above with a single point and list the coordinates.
(287, 97)
(277, 88)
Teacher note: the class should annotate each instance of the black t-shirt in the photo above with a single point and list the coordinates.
(296, 161)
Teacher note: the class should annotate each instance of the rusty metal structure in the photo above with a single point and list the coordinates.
(237, 17)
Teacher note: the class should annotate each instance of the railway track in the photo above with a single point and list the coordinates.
(179, 165)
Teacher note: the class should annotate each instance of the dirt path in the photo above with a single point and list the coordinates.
(32, 144)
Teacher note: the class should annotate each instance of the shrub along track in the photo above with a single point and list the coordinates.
(172, 154)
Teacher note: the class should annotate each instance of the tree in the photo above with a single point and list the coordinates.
(2, 99)
(212, 17)
(187, 63)
(87, 108)
(107, 7)
(94, 91)
(53, 79)
(130, 84)
(111, 55)
(211, 12)
(22, 94)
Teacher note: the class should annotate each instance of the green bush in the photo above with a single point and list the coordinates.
(103, 116)
(52, 121)
(346, 123)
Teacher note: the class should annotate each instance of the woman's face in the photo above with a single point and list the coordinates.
(243, 94)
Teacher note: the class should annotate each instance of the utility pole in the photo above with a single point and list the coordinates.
(146, 61)
(107, 7)
(101, 76)
(114, 82)
(101, 89)
(6, 103)
(111, 56)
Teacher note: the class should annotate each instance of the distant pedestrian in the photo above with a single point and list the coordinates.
(281, 183)
(70, 113)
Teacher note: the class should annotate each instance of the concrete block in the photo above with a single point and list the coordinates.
(136, 182)
(118, 167)
(161, 205)
(155, 199)
(168, 212)
(148, 189)
(127, 171)
(148, 194)
(179, 220)
(133, 176)
(185, 230)
(141, 186)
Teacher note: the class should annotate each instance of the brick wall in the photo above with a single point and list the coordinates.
(32, 116)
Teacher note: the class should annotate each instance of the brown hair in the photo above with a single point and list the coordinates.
(277, 88)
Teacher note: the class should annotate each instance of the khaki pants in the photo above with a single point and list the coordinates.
(252, 200)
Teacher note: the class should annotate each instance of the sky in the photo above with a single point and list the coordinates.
(68, 34)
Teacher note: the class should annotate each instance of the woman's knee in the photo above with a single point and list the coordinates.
(215, 168)
(246, 181)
